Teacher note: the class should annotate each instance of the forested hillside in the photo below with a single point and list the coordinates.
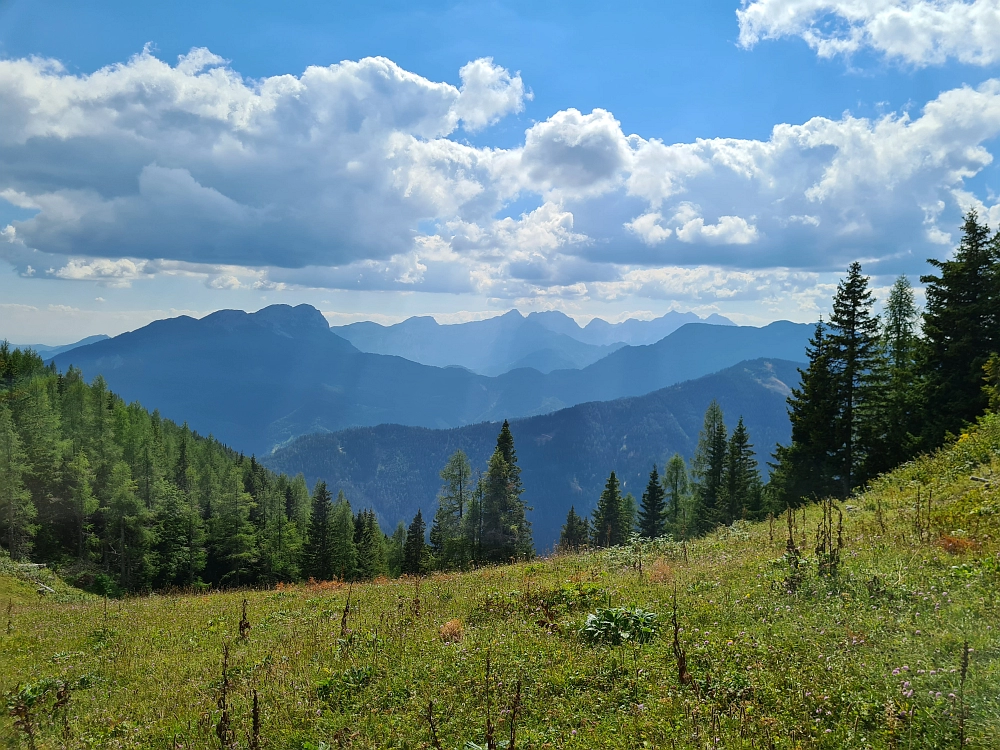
(120, 498)
(565, 456)
(301, 378)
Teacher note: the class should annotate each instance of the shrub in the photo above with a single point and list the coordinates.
(616, 626)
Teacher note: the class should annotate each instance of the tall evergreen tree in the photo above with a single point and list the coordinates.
(708, 467)
(447, 536)
(129, 541)
(741, 484)
(344, 554)
(892, 417)
(370, 544)
(395, 550)
(806, 467)
(17, 512)
(233, 541)
(854, 355)
(653, 513)
(575, 533)
(317, 554)
(415, 548)
(961, 326)
(610, 515)
(506, 531)
(675, 485)
(82, 501)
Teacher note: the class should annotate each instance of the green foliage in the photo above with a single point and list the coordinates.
(708, 469)
(653, 511)
(961, 327)
(415, 547)
(616, 626)
(613, 516)
(576, 531)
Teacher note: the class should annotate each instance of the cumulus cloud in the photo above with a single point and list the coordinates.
(352, 177)
(917, 32)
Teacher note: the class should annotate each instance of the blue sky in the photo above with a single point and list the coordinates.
(603, 159)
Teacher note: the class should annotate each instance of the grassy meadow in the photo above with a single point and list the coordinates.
(855, 638)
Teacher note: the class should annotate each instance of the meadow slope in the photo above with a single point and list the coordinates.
(783, 649)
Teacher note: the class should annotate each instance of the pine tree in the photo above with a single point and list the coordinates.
(652, 516)
(675, 485)
(16, 509)
(575, 533)
(609, 516)
(370, 544)
(741, 484)
(708, 467)
(415, 549)
(805, 468)
(961, 326)
(317, 553)
(854, 355)
(506, 531)
(344, 554)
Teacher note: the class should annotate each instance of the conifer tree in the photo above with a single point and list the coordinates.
(395, 550)
(575, 533)
(675, 485)
(317, 554)
(344, 554)
(854, 355)
(16, 509)
(610, 516)
(708, 467)
(892, 418)
(82, 501)
(652, 516)
(370, 543)
(128, 541)
(233, 542)
(741, 485)
(447, 536)
(805, 467)
(506, 531)
(415, 548)
(961, 326)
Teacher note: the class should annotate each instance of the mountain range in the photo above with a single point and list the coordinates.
(545, 341)
(565, 457)
(47, 352)
(257, 380)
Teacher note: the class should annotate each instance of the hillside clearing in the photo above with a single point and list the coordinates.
(859, 646)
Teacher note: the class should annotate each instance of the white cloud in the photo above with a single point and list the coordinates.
(918, 32)
(729, 230)
(488, 93)
(351, 177)
(649, 229)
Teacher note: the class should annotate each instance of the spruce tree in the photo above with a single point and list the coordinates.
(607, 526)
(415, 549)
(317, 553)
(652, 516)
(741, 485)
(506, 531)
(708, 467)
(805, 467)
(575, 533)
(343, 553)
(854, 355)
(961, 326)
(370, 543)
(395, 550)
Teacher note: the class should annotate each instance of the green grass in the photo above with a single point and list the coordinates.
(867, 658)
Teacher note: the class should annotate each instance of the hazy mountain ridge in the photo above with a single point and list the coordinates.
(256, 380)
(47, 351)
(565, 456)
(546, 341)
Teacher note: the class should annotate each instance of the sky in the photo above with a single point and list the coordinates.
(459, 159)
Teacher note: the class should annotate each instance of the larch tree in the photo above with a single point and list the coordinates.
(17, 512)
